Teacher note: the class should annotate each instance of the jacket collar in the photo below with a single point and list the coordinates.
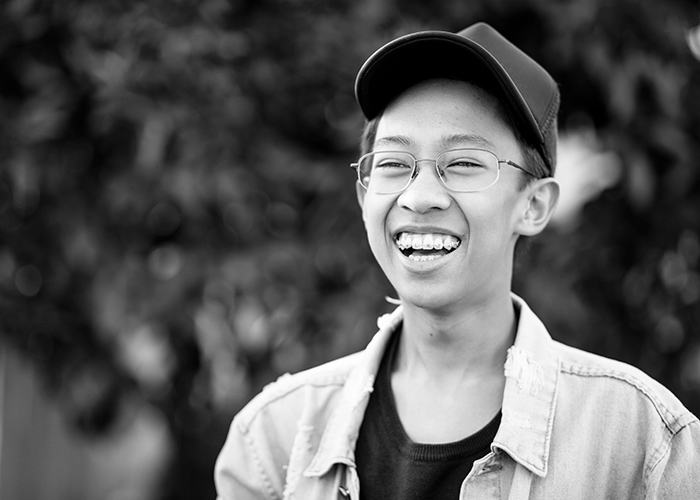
(337, 444)
(528, 403)
(530, 395)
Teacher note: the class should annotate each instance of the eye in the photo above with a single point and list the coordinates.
(464, 163)
(390, 163)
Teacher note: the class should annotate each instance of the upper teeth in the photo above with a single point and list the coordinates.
(427, 241)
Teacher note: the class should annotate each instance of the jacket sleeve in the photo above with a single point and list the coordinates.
(678, 472)
(242, 470)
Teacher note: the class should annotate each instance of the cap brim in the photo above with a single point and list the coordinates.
(420, 56)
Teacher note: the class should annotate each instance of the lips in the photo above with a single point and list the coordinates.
(426, 246)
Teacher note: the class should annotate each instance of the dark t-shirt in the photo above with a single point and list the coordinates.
(391, 466)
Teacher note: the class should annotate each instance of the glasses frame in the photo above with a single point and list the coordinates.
(414, 169)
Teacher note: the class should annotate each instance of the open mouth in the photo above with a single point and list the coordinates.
(425, 247)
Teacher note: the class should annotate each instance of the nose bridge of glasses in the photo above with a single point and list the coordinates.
(438, 170)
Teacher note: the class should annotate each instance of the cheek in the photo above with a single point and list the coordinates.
(374, 214)
(490, 226)
(375, 209)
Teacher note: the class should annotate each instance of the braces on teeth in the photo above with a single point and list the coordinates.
(442, 243)
(423, 258)
(426, 242)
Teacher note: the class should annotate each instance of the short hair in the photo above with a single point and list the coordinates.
(532, 158)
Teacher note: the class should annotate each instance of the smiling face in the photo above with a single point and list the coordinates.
(442, 249)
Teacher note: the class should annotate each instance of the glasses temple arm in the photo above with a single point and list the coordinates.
(513, 164)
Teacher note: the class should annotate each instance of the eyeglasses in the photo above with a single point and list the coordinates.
(460, 170)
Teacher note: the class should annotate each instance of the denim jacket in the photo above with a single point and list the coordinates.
(574, 426)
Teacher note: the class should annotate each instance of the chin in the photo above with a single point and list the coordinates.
(427, 299)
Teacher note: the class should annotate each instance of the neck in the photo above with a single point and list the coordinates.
(460, 346)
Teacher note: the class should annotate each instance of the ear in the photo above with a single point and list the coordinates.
(361, 192)
(542, 199)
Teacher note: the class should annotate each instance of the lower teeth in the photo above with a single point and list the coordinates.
(423, 258)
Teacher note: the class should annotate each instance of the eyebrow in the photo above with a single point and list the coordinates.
(466, 139)
(447, 142)
(394, 140)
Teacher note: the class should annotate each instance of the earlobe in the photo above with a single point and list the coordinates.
(542, 201)
(360, 191)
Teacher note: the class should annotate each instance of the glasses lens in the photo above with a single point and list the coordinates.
(386, 171)
(468, 169)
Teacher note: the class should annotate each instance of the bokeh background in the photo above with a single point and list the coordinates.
(178, 223)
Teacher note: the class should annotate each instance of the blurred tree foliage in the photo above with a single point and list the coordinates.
(177, 221)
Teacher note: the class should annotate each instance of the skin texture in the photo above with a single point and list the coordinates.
(458, 317)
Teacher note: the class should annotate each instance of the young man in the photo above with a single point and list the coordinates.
(462, 393)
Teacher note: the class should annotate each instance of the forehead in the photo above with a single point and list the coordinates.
(446, 112)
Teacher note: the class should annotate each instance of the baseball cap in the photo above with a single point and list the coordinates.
(478, 53)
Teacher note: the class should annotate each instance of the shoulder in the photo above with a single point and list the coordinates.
(291, 394)
(622, 386)
(285, 420)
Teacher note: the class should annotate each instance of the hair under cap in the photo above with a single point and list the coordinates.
(478, 53)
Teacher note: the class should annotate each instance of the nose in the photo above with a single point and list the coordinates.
(426, 191)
